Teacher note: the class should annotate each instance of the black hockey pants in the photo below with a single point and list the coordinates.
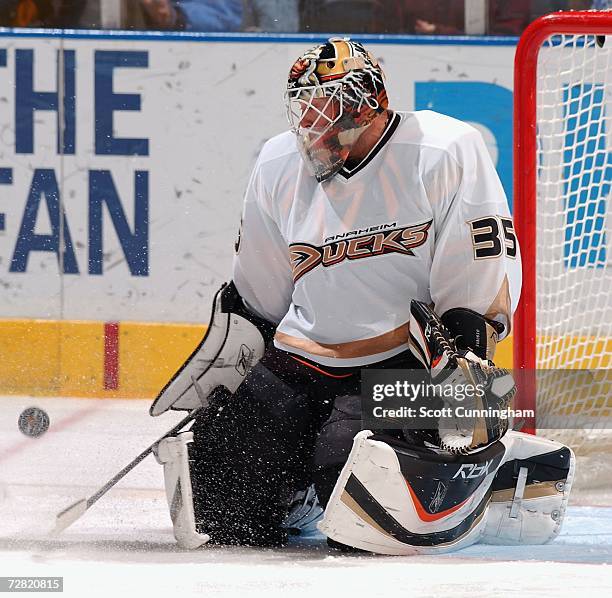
(289, 424)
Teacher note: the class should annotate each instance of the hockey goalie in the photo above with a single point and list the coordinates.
(370, 239)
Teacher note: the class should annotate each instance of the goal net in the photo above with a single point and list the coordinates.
(563, 216)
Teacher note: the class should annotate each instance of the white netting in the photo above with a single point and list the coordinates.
(574, 239)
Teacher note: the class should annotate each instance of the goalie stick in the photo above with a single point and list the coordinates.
(76, 510)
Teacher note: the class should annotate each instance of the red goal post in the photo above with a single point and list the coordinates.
(526, 169)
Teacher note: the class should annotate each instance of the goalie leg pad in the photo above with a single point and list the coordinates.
(395, 499)
(402, 500)
(530, 491)
(251, 452)
(173, 454)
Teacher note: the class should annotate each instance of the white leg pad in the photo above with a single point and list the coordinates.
(172, 453)
(375, 465)
(529, 513)
(513, 492)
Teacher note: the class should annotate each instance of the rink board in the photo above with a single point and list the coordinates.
(158, 135)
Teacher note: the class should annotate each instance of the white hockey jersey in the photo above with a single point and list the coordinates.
(335, 264)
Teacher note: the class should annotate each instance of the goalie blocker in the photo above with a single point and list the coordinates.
(234, 342)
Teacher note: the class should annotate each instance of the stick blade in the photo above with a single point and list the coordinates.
(68, 516)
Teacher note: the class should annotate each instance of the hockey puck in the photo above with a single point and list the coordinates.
(33, 422)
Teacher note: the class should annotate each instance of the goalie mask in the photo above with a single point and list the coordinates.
(334, 91)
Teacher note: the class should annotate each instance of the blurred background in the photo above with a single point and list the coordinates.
(429, 17)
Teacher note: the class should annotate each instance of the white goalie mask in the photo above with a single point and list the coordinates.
(333, 93)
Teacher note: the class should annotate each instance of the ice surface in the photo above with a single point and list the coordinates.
(124, 546)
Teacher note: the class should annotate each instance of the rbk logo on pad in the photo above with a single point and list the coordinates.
(245, 357)
(305, 257)
(473, 470)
